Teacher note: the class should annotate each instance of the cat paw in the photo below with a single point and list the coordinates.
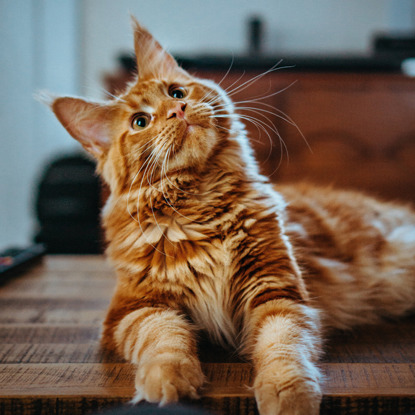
(164, 380)
(302, 397)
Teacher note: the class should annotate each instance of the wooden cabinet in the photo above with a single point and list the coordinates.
(353, 130)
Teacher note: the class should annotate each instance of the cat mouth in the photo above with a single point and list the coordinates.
(186, 132)
(188, 129)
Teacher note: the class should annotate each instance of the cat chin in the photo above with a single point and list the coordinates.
(195, 149)
(190, 130)
(192, 135)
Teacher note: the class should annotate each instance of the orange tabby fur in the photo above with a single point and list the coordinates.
(201, 241)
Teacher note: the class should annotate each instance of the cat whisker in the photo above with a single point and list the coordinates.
(266, 95)
(272, 111)
(130, 189)
(214, 101)
(262, 114)
(260, 98)
(147, 144)
(264, 127)
(152, 166)
(228, 71)
(129, 194)
(276, 112)
(149, 180)
(145, 166)
(103, 91)
(205, 97)
(218, 98)
(251, 81)
(178, 188)
(153, 156)
(268, 122)
(185, 191)
(279, 114)
(261, 123)
(138, 198)
(236, 82)
(164, 175)
(224, 128)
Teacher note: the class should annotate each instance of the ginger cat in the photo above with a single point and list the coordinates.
(201, 241)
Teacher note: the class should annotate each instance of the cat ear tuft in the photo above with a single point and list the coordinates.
(44, 97)
(87, 122)
(152, 59)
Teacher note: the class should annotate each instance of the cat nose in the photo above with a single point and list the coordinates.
(177, 110)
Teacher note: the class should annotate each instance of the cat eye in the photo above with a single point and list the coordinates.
(140, 121)
(177, 92)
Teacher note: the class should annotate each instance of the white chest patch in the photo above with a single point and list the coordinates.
(212, 312)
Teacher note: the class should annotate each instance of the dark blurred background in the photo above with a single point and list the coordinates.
(353, 99)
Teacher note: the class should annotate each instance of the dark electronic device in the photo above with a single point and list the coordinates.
(15, 260)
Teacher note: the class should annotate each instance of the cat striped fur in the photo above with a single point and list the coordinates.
(201, 241)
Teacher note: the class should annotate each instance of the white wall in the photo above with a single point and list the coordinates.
(38, 50)
(199, 26)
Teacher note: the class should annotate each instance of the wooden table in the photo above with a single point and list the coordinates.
(51, 363)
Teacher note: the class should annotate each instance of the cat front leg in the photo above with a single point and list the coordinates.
(284, 344)
(162, 344)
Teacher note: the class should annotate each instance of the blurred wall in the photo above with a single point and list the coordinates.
(39, 49)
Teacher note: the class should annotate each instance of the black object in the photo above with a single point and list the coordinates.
(263, 62)
(128, 62)
(15, 260)
(153, 409)
(255, 35)
(68, 206)
(395, 44)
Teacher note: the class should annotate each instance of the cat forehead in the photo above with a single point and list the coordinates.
(148, 91)
(148, 88)
(144, 93)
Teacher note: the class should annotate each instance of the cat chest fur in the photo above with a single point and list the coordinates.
(186, 262)
(192, 261)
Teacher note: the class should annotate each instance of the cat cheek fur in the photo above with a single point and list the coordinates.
(201, 241)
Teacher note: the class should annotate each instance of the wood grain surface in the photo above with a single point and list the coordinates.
(51, 362)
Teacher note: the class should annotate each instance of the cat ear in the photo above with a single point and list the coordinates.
(152, 59)
(87, 122)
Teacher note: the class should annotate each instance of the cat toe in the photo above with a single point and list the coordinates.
(302, 398)
(166, 382)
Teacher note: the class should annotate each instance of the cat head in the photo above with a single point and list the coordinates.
(167, 120)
